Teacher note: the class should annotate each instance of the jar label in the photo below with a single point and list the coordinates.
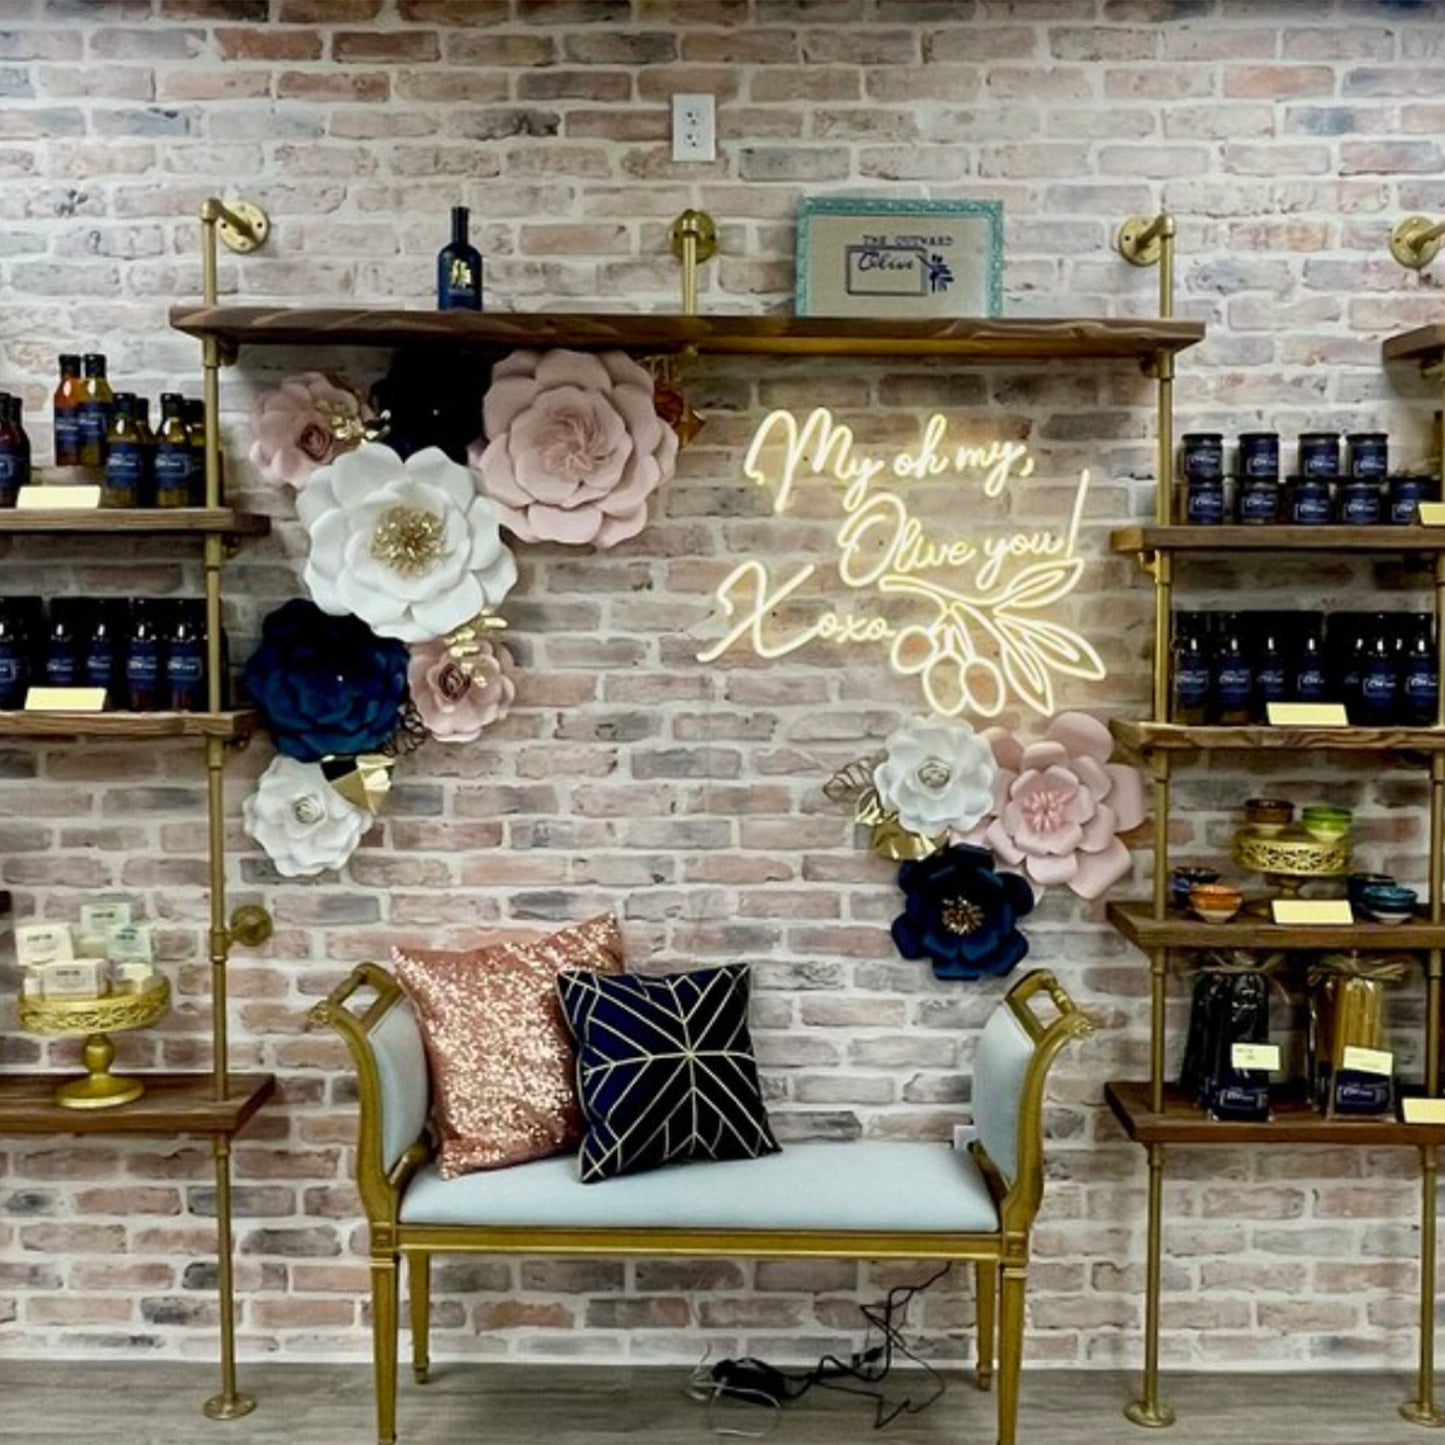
(124, 463)
(1422, 684)
(60, 670)
(10, 670)
(1320, 463)
(1362, 510)
(1206, 504)
(1310, 684)
(1233, 684)
(1258, 504)
(93, 422)
(1191, 685)
(1312, 510)
(1272, 683)
(10, 470)
(183, 667)
(1379, 684)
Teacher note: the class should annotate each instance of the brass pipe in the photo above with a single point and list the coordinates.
(230, 1404)
(220, 937)
(1159, 957)
(1147, 1410)
(694, 240)
(1162, 567)
(1422, 1410)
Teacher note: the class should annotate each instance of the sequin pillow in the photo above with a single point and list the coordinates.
(665, 1070)
(501, 1058)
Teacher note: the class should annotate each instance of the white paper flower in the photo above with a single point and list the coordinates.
(412, 548)
(936, 775)
(301, 821)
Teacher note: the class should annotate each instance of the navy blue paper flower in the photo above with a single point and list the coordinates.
(326, 685)
(962, 914)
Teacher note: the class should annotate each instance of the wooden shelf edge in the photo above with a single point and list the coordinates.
(1294, 1122)
(1178, 737)
(1285, 538)
(1134, 919)
(1425, 345)
(174, 1103)
(138, 521)
(235, 724)
(985, 338)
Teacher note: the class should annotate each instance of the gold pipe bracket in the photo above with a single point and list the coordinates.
(694, 240)
(1141, 238)
(1415, 241)
(242, 225)
(251, 926)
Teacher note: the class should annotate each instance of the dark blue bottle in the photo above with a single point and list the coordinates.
(1192, 676)
(1271, 666)
(144, 658)
(61, 663)
(1379, 675)
(186, 658)
(1233, 676)
(459, 269)
(1420, 674)
(14, 657)
(1311, 678)
(101, 657)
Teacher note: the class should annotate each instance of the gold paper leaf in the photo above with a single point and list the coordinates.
(849, 784)
(892, 840)
(364, 780)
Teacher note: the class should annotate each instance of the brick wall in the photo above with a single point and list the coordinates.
(1288, 139)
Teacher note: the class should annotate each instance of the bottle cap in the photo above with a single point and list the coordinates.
(94, 364)
(68, 361)
(171, 399)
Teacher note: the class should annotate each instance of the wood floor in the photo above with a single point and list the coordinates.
(141, 1403)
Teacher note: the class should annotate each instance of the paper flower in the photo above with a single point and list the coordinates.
(1060, 803)
(305, 423)
(575, 446)
(936, 775)
(325, 685)
(457, 698)
(410, 547)
(962, 914)
(301, 821)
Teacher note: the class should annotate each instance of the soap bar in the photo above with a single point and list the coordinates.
(131, 977)
(131, 943)
(78, 978)
(37, 944)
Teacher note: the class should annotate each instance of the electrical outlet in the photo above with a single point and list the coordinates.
(694, 128)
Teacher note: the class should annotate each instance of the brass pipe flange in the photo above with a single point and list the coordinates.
(1415, 241)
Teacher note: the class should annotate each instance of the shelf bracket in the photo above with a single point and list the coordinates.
(1415, 241)
(694, 240)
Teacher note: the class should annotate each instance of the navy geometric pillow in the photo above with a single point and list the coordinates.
(665, 1069)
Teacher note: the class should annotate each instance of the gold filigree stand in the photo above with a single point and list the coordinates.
(96, 1019)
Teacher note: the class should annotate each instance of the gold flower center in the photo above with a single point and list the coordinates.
(961, 916)
(934, 774)
(408, 540)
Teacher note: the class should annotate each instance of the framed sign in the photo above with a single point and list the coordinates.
(899, 258)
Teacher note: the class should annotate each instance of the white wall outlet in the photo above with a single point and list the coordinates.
(694, 128)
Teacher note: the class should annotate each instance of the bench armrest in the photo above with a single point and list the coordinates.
(392, 1082)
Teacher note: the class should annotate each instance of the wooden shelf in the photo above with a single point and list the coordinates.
(138, 520)
(1425, 346)
(981, 339)
(1145, 737)
(171, 1104)
(229, 725)
(1295, 1121)
(1136, 921)
(1152, 538)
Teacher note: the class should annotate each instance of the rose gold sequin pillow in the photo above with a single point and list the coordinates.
(502, 1061)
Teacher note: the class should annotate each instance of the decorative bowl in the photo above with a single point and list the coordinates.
(1181, 880)
(1215, 902)
(1268, 816)
(1389, 902)
(1326, 824)
(1356, 884)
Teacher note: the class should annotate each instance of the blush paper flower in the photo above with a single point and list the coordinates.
(305, 423)
(936, 775)
(302, 822)
(961, 914)
(1059, 805)
(574, 446)
(458, 698)
(412, 548)
(325, 685)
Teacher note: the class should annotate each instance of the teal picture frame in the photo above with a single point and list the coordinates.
(892, 258)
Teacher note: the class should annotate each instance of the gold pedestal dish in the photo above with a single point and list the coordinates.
(96, 1019)
(1290, 859)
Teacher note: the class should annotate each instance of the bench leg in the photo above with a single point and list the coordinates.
(383, 1344)
(1011, 1352)
(419, 1278)
(985, 1289)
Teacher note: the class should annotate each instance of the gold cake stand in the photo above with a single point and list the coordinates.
(96, 1019)
(1290, 859)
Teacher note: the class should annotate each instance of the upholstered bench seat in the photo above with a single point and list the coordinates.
(865, 1199)
(872, 1187)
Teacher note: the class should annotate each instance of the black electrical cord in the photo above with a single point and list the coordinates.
(756, 1382)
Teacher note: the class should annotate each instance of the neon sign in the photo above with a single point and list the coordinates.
(981, 640)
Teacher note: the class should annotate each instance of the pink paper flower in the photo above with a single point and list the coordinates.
(457, 704)
(575, 446)
(305, 423)
(1059, 805)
